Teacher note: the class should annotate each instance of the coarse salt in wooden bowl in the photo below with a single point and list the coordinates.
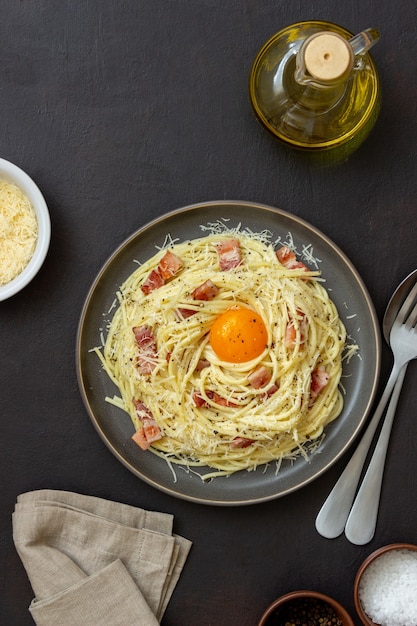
(385, 588)
(315, 605)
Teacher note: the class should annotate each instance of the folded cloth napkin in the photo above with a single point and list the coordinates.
(95, 562)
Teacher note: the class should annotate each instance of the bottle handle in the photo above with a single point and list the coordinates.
(362, 42)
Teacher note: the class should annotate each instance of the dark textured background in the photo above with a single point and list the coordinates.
(123, 111)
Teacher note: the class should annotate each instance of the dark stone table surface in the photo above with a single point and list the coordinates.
(122, 112)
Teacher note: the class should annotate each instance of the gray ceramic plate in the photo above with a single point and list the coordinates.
(360, 374)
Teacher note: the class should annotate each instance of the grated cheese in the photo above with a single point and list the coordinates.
(18, 231)
(201, 436)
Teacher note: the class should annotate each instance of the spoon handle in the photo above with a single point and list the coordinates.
(331, 519)
(361, 523)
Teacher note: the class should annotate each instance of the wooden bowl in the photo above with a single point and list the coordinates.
(366, 620)
(273, 610)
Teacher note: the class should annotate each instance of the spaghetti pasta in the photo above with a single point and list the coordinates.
(190, 405)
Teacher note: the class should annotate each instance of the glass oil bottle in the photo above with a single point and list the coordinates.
(315, 87)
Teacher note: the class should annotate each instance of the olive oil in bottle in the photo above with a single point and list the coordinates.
(315, 87)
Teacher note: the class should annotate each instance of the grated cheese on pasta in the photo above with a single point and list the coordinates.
(280, 424)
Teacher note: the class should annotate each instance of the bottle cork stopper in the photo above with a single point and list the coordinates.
(328, 57)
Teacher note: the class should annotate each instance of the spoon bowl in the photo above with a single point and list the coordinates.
(395, 303)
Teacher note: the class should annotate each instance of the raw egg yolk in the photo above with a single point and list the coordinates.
(238, 335)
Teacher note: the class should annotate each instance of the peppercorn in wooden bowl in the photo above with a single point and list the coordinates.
(385, 589)
(305, 607)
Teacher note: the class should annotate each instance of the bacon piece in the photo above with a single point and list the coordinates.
(319, 379)
(271, 391)
(219, 400)
(152, 430)
(229, 254)
(241, 442)
(148, 431)
(207, 291)
(139, 438)
(185, 313)
(148, 353)
(291, 333)
(153, 281)
(202, 364)
(260, 377)
(199, 401)
(168, 267)
(287, 257)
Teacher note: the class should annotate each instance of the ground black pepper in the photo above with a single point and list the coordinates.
(304, 612)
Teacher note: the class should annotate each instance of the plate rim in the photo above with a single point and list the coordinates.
(218, 204)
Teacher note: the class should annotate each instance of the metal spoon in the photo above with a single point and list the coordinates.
(361, 523)
(331, 519)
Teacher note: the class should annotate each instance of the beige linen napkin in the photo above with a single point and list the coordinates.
(96, 562)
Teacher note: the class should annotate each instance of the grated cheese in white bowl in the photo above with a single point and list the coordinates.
(18, 231)
(25, 229)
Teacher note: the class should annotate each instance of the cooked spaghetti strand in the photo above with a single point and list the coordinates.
(215, 413)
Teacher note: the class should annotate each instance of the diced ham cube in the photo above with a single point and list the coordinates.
(202, 364)
(260, 377)
(152, 430)
(291, 333)
(199, 401)
(169, 266)
(147, 349)
(153, 281)
(142, 410)
(186, 313)
(148, 431)
(273, 389)
(319, 379)
(229, 254)
(241, 442)
(287, 257)
(219, 400)
(207, 291)
(139, 438)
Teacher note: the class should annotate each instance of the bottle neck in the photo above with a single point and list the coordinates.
(323, 66)
(319, 99)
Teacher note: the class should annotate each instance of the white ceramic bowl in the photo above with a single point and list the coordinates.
(13, 174)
